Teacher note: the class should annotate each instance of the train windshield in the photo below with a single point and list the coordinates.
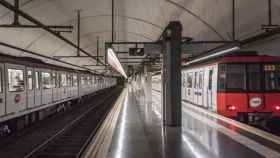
(255, 77)
(272, 77)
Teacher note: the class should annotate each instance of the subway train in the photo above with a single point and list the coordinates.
(245, 87)
(31, 89)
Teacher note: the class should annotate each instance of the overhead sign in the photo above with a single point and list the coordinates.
(136, 51)
(113, 60)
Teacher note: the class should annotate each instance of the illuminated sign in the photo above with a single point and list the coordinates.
(114, 62)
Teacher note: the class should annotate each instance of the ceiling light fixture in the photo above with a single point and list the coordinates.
(113, 60)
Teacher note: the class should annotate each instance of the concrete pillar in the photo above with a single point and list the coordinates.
(171, 75)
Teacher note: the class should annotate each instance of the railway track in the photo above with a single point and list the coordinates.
(71, 141)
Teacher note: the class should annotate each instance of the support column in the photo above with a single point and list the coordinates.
(171, 75)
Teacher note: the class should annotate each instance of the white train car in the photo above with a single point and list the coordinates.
(28, 86)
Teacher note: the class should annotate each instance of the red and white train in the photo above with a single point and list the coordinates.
(244, 87)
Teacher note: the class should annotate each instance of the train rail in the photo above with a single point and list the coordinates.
(72, 139)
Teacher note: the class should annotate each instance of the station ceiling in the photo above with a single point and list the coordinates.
(135, 20)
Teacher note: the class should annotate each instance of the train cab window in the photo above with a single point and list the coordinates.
(63, 80)
(37, 80)
(75, 81)
(254, 77)
(235, 77)
(272, 77)
(46, 80)
(29, 80)
(15, 80)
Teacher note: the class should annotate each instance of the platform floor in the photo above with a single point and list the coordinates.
(139, 134)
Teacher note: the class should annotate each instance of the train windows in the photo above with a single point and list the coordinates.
(75, 81)
(15, 80)
(29, 80)
(235, 77)
(272, 77)
(37, 80)
(254, 77)
(46, 80)
(210, 79)
(63, 80)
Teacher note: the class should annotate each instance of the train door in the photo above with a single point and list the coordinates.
(15, 91)
(30, 87)
(190, 86)
(46, 87)
(75, 85)
(211, 90)
(38, 88)
(2, 93)
(54, 86)
(200, 88)
(63, 85)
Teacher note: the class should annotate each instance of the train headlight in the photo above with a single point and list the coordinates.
(277, 108)
(231, 107)
(255, 102)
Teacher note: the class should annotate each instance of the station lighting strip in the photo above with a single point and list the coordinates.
(113, 60)
(215, 54)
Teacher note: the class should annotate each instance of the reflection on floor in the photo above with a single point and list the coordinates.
(140, 134)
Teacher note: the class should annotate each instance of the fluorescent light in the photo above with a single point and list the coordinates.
(215, 54)
(114, 62)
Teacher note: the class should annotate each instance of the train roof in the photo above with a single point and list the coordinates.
(33, 62)
(238, 57)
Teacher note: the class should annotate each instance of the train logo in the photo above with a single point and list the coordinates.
(255, 102)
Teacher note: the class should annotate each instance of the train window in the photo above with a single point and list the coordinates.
(189, 80)
(210, 79)
(235, 77)
(272, 78)
(195, 79)
(1, 89)
(200, 83)
(82, 80)
(46, 80)
(89, 80)
(75, 81)
(54, 80)
(29, 79)
(37, 80)
(15, 80)
(254, 77)
(63, 80)
(69, 80)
